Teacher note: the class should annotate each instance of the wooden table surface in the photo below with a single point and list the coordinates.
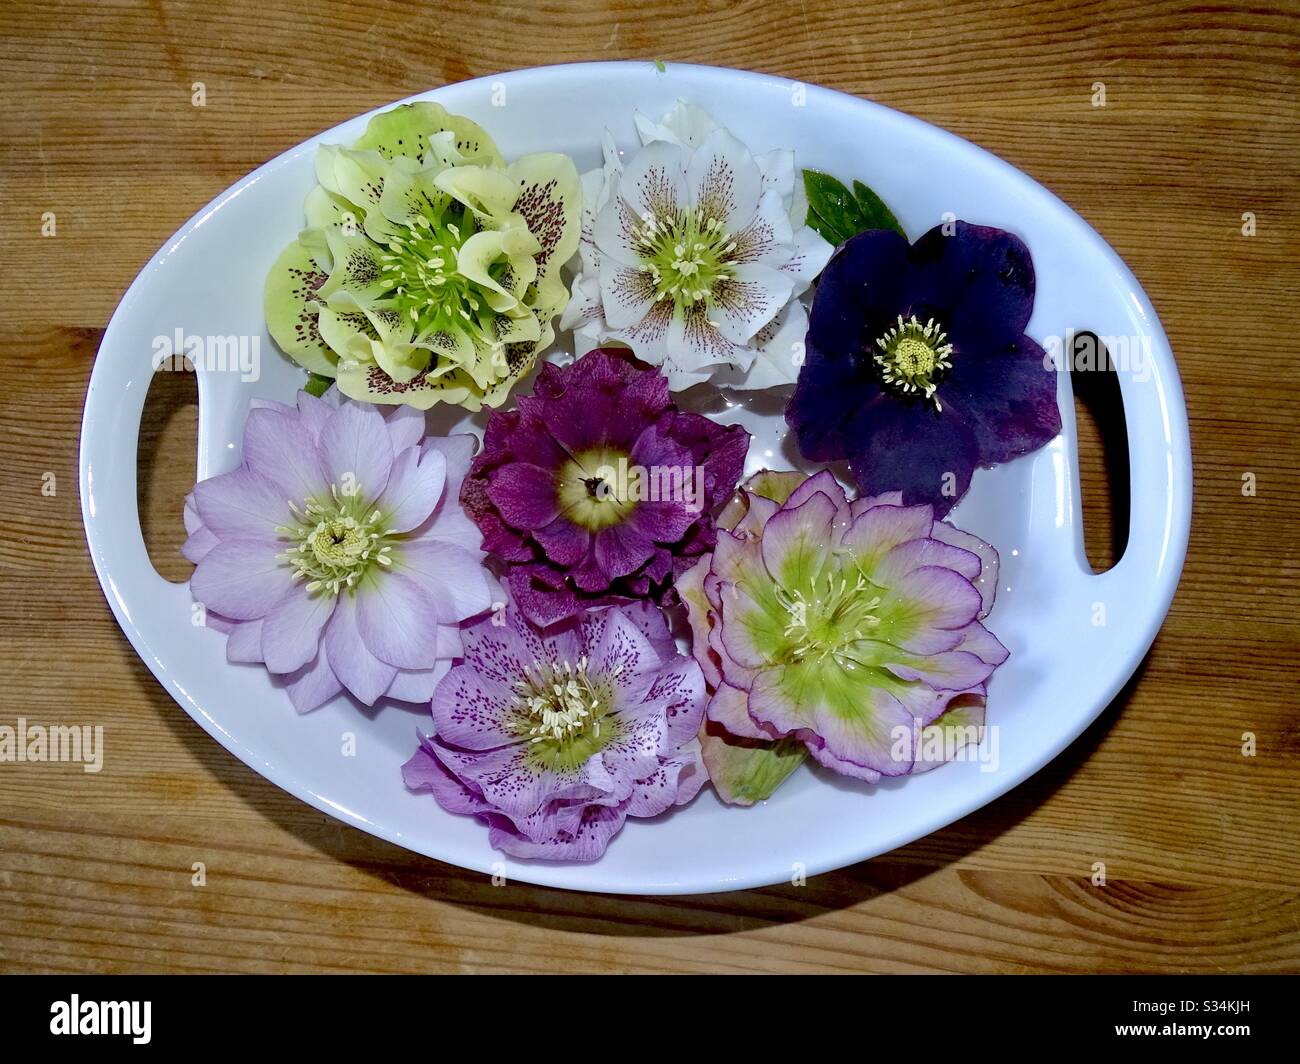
(1201, 844)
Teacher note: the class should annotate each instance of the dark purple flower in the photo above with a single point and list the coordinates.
(556, 736)
(918, 369)
(598, 487)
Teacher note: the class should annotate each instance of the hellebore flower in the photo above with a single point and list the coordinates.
(847, 627)
(598, 487)
(918, 368)
(337, 553)
(694, 255)
(430, 270)
(556, 736)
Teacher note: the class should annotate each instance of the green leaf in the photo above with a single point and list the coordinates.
(317, 385)
(838, 213)
(873, 209)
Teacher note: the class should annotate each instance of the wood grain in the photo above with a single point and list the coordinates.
(1201, 844)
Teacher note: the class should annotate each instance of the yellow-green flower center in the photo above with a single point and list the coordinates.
(828, 616)
(913, 357)
(686, 255)
(338, 542)
(594, 489)
(419, 271)
(562, 712)
(334, 543)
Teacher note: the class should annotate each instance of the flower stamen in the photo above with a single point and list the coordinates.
(333, 546)
(913, 357)
(829, 616)
(560, 703)
(685, 256)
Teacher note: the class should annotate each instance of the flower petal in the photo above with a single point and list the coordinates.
(475, 712)
(987, 578)
(549, 200)
(977, 280)
(357, 668)
(877, 531)
(395, 615)
(846, 309)
(289, 303)
(280, 448)
(929, 456)
(621, 549)
(425, 774)
(291, 630)
(414, 487)
(724, 180)
(241, 579)
(245, 642)
(920, 610)
(357, 451)
(627, 293)
(751, 298)
(243, 504)
(406, 427)
(524, 494)
(857, 723)
(451, 578)
(828, 396)
(313, 685)
(586, 841)
(745, 771)
(1008, 395)
(797, 541)
(653, 184)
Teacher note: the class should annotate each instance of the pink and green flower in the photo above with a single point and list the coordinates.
(837, 626)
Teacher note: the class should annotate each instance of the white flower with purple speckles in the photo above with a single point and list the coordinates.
(695, 254)
(555, 736)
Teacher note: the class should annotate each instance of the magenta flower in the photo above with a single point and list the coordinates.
(598, 487)
(337, 553)
(848, 627)
(918, 369)
(554, 737)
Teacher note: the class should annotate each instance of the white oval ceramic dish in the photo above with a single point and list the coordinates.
(1064, 667)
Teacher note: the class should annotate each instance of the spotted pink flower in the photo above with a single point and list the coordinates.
(556, 736)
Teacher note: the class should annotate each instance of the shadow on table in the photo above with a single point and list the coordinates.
(630, 915)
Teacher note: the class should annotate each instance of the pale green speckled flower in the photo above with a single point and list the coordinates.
(429, 270)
